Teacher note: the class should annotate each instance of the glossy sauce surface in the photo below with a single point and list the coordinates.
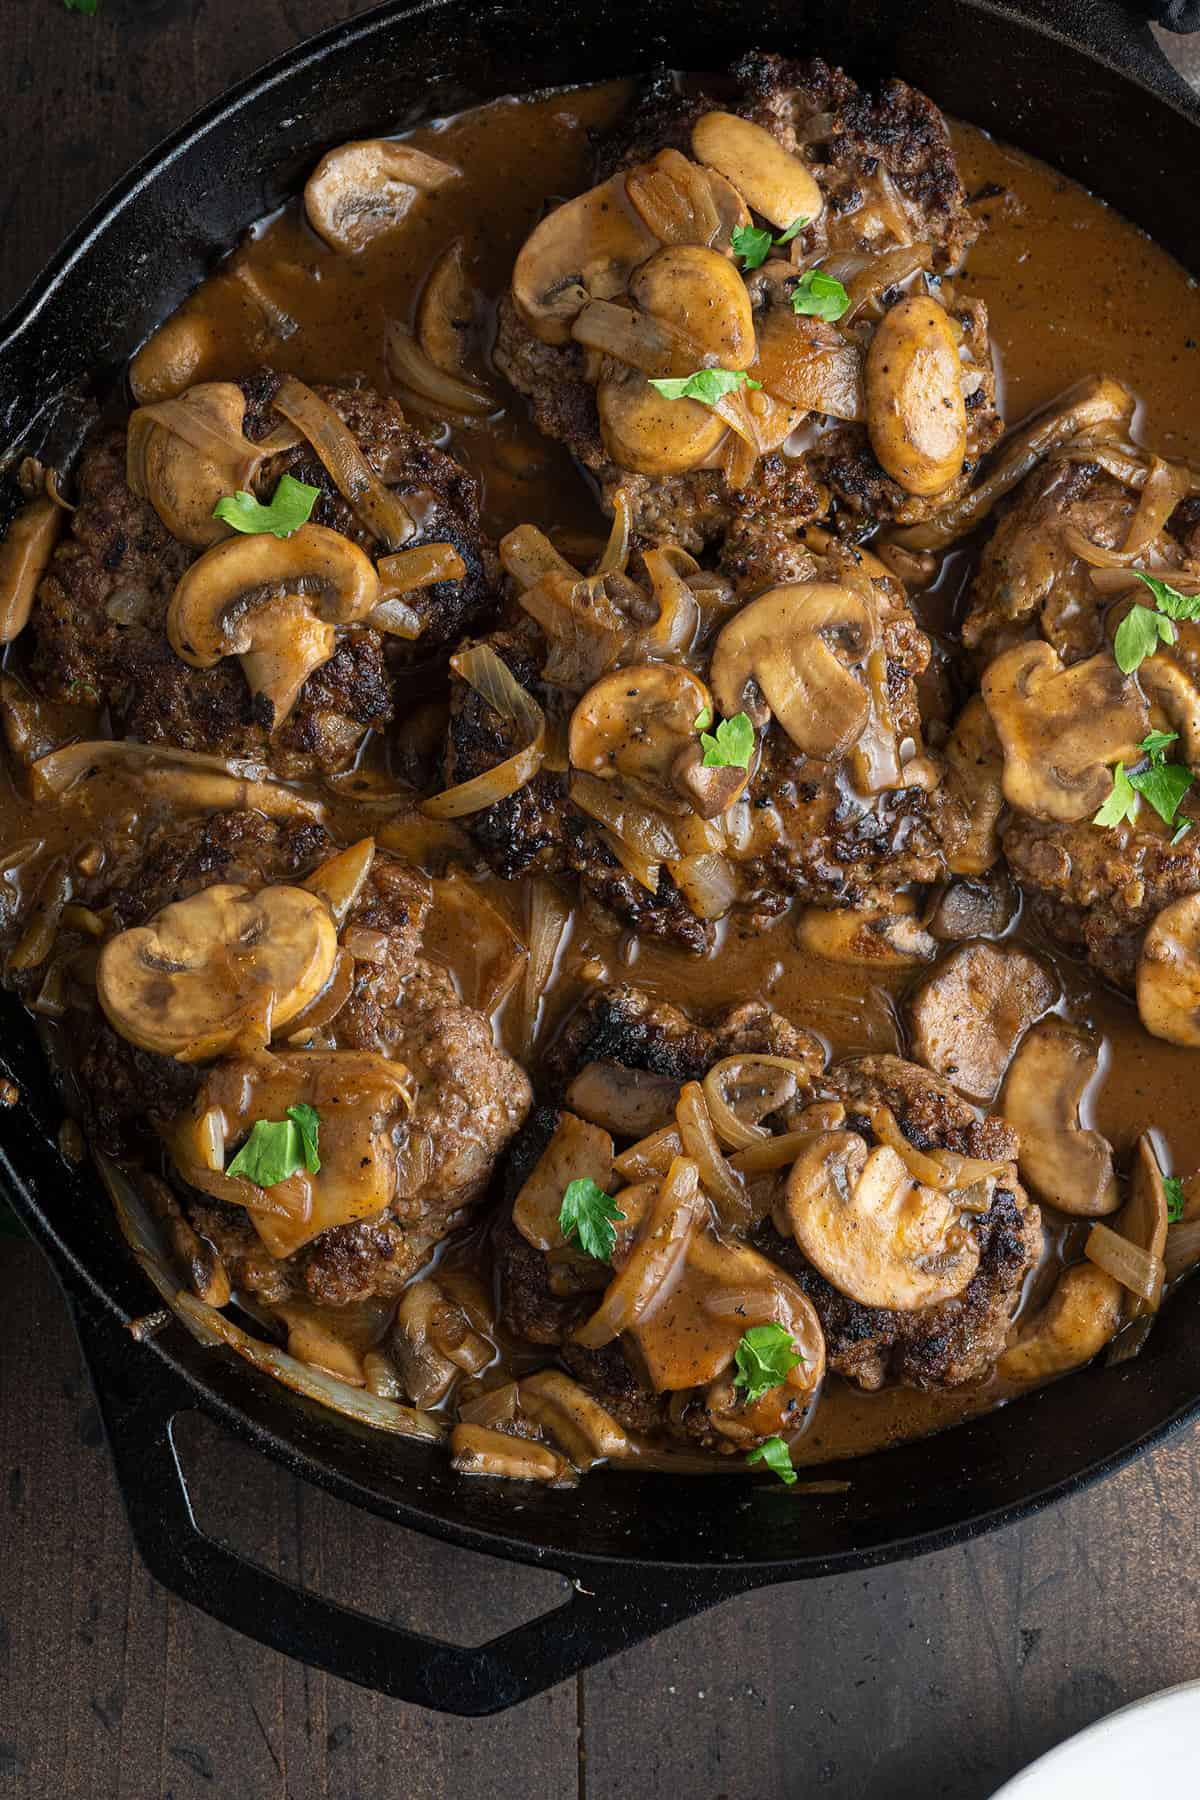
(1071, 289)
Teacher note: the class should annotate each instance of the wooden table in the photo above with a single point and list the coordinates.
(937, 1678)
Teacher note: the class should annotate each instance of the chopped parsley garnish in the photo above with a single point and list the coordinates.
(765, 1358)
(704, 719)
(774, 1452)
(81, 6)
(1138, 636)
(1163, 784)
(732, 744)
(588, 1213)
(1173, 1188)
(753, 244)
(278, 1148)
(289, 508)
(821, 295)
(708, 385)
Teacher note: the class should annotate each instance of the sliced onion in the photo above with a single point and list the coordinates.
(655, 1260)
(723, 1185)
(198, 418)
(322, 1010)
(707, 882)
(494, 682)
(497, 1407)
(382, 512)
(651, 1157)
(421, 567)
(587, 630)
(630, 337)
(616, 551)
(417, 372)
(1129, 1263)
(732, 1130)
(647, 832)
(776, 1153)
(528, 556)
(1166, 485)
(1123, 581)
(190, 777)
(645, 871)
(476, 940)
(1183, 1247)
(675, 630)
(882, 272)
(549, 913)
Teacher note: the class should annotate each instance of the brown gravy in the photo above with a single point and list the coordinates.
(1071, 289)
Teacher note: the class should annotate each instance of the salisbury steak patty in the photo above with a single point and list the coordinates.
(98, 625)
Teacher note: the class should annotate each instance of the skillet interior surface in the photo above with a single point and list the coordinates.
(124, 271)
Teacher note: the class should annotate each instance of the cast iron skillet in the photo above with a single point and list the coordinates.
(1078, 82)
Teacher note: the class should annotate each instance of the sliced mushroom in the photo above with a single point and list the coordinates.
(628, 1102)
(876, 1233)
(985, 907)
(577, 1151)
(1062, 729)
(340, 879)
(974, 778)
(790, 654)
(699, 292)
(425, 1372)
(1167, 685)
(584, 250)
(361, 1100)
(709, 791)
(1168, 974)
(769, 178)
(447, 313)
(682, 203)
(367, 187)
(866, 937)
(1060, 1162)
(635, 721)
(1082, 1314)
(185, 454)
(571, 1415)
(650, 435)
(968, 1013)
(274, 602)
(479, 1450)
(24, 558)
(220, 970)
(916, 415)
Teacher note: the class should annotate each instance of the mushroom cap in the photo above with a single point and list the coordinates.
(1059, 1161)
(224, 968)
(779, 656)
(1173, 688)
(916, 415)
(365, 187)
(584, 250)
(650, 435)
(1062, 729)
(866, 937)
(634, 721)
(1168, 973)
(775, 183)
(186, 453)
(876, 1233)
(1082, 1314)
(699, 292)
(968, 1013)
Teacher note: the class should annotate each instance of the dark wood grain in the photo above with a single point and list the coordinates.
(935, 1679)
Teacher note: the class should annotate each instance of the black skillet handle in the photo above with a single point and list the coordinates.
(139, 1397)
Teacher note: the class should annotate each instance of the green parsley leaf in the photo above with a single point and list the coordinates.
(821, 295)
(290, 506)
(708, 385)
(1138, 637)
(587, 1211)
(774, 1452)
(732, 746)
(1181, 833)
(1121, 804)
(81, 6)
(1164, 785)
(797, 225)
(751, 244)
(279, 1148)
(1155, 742)
(307, 1121)
(1168, 599)
(1174, 1192)
(765, 1358)
(703, 719)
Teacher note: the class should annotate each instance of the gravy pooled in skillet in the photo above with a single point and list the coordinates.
(599, 797)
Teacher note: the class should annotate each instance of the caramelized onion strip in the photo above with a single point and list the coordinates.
(1166, 485)
(382, 512)
(733, 1131)
(495, 683)
(1129, 1263)
(723, 1185)
(654, 1261)
(422, 377)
